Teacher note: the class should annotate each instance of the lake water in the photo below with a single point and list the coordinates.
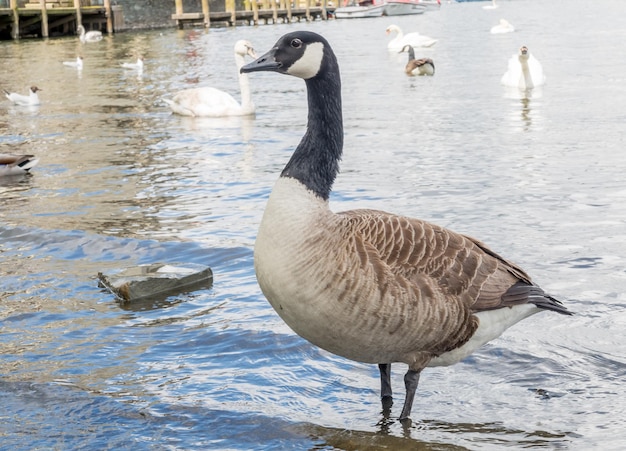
(123, 182)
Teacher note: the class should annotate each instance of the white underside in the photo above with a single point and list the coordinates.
(492, 324)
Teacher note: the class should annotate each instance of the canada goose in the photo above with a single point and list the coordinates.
(211, 102)
(90, 36)
(16, 164)
(138, 65)
(368, 285)
(524, 71)
(422, 66)
(18, 99)
(413, 39)
(78, 64)
(504, 26)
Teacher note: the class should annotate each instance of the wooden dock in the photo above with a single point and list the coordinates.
(45, 18)
(269, 11)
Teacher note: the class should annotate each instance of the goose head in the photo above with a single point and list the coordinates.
(408, 48)
(243, 48)
(302, 54)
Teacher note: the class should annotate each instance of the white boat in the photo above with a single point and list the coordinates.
(377, 8)
(359, 10)
(431, 5)
(404, 7)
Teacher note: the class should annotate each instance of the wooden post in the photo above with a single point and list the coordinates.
(274, 11)
(109, 16)
(324, 10)
(207, 13)
(230, 7)
(44, 19)
(255, 11)
(79, 15)
(307, 8)
(15, 31)
(179, 12)
(288, 10)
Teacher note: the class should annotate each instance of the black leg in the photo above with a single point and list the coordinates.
(385, 380)
(386, 398)
(411, 379)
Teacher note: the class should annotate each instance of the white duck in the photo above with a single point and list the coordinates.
(211, 102)
(422, 66)
(18, 99)
(492, 6)
(16, 164)
(136, 66)
(524, 71)
(90, 36)
(78, 64)
(413, 39)
(369, 285)
(504, 26)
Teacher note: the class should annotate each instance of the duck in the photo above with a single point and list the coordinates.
(138, 65)
(422, 66)
(78, 64)
(413, 39)
(368, 285)
(504, 26)
(212, 102)
(18, 99)
(524, 71)
(89, 36)
(16, 164)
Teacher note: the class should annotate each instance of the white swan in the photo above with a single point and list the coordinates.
(90, 36)
(413, 39)
(524, 71)
(138, 65)
(504, 26)
(492, 6)
(16, 164)
(18, 99)
(211, 102)
(422, 66)
(78, 64)
(368, 285)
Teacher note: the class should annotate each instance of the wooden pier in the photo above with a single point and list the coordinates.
(254, 10)
(45, 18)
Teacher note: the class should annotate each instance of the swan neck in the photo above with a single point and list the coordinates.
(244, 83)
(315, 162)
(528, 80)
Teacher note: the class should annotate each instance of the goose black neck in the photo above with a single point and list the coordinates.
(315, 162)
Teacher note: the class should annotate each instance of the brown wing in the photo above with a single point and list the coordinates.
(456, 266)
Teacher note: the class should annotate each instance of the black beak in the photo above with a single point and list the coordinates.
(267, 63)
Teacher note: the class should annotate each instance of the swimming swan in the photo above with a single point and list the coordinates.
(413, 39)
(504, 26)
(211, 102)
(138, 65)
(524, 71)
(367, 285)
(78, 64)
(422, 66)
(18, 99)
(90, 36)
(16, 164)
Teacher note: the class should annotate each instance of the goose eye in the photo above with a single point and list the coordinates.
(296, 43)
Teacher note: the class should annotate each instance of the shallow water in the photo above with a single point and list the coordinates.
(121, 182)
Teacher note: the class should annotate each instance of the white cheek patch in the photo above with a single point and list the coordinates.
(309, 63)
